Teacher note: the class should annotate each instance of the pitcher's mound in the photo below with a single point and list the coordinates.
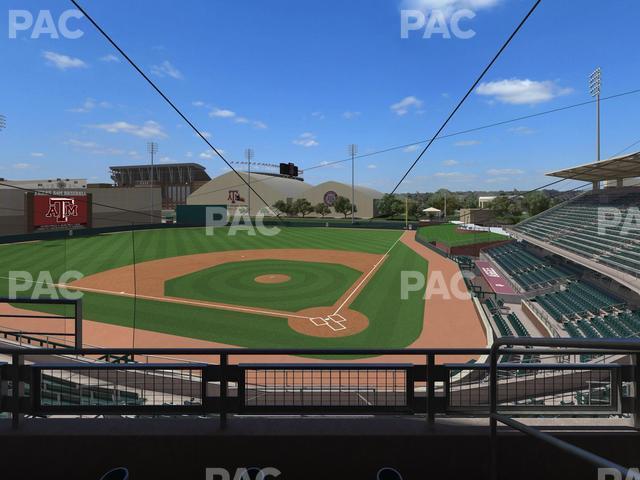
(275, 278)
(322, 322)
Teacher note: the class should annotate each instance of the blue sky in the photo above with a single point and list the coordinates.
(300, 80)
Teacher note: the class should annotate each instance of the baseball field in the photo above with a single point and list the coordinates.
(302, 288)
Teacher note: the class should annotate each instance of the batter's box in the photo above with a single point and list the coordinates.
(318, 321)
(335, 322)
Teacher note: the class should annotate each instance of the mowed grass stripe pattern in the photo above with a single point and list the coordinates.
(449, 235)
(310, 285)
(91, 255)
(394, 323)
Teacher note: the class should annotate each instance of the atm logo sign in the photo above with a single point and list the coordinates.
(62, 209)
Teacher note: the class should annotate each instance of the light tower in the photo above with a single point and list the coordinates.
(595, 84)
(249, 154)
(353, 151)
(3, 122)
(152, 148)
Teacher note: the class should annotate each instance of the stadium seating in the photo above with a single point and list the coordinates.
(529, 271)
(574, 226)
(576, 301)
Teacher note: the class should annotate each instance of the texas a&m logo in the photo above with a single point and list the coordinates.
(234, 196)
(62, 209)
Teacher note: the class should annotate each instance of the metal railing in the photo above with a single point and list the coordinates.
(499, 414)
(53, 339)
(45, 382)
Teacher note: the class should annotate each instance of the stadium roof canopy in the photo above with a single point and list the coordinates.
(627, 166)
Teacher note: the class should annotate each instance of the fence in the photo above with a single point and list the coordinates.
(225, 384)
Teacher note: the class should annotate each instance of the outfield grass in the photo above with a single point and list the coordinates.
(394, 323)
(311, 284)
(449, 235)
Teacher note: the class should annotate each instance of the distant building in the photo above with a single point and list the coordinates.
(484, 202)
(47, 184)
(477, 216)
(228, 189)
(176, 180)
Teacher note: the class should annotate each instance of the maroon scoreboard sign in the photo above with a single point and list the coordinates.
(63, 209)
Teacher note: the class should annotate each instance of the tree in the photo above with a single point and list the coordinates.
(536, 202)
(322, 209)
(500, 205)
(390, 205)
(414, 209)
(470, 201)
(437, 200)
(343, 205)
(303, 206)
(281, 206)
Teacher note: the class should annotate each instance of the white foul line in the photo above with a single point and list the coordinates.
(384, 257)
(218, 306)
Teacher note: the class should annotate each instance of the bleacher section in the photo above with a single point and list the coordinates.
(578, 300)
(586, 312)
(574, 227)
(529, 271)
(509, 326)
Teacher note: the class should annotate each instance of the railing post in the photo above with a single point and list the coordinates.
(17, 389)
(636, 389)
(431, 388)
(493, 409)
(224, 362)
(78, 323)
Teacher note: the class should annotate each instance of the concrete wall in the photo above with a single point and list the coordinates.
(12, 220)
(136, 200)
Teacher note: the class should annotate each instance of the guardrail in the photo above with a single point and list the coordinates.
(42, 337)
(499, 414)
(49, 382)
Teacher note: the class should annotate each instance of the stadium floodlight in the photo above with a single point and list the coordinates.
(353, 151)
(3, 122)
(249, 154)
(152, 148)
(595, 86)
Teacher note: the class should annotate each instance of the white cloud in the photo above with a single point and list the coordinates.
(259, 125)
(406, 104)
(504, 171)
(198, 103)
(448, 7)
(497, 180)
(450, 163)
(63, 62)
(318, 115)
(209, 154)
(372, 166)
(21, 166)
(110, 58)
(149, 129)
(351, 115)
(166, 69)
(222, 113)
(522, 130)
(204, 133)
(241, 120)
(467, 143)
(306, 140)
(37, 154)
(88, 105)
(411, 148)
(455, 176)
(517, 91)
